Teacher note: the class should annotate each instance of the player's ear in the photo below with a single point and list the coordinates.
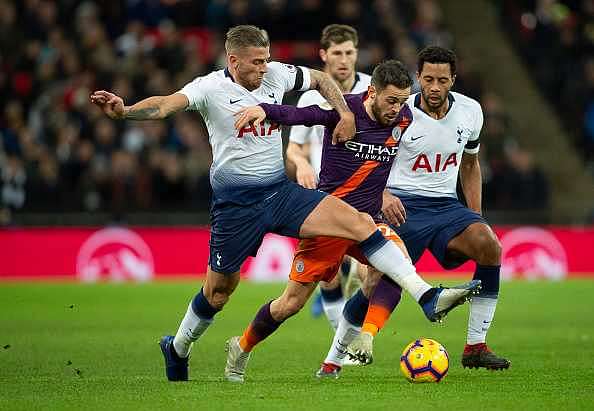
(371, 91)
(323, 55)
(453, 79)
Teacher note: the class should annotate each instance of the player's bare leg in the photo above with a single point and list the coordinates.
(270, 316)
(480, 244)
(336, 218)
(199, 316)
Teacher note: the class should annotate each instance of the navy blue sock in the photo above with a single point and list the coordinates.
(202, 307)
(331, 295)
(355, 308)
(345, 267)
(373, 243)
(489, 276)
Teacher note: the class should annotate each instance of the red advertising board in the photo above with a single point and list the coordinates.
(142, 254)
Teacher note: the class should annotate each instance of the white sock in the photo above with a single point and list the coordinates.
(345, 334)
(390, 260)
(190, 329)
(481, 315)
(333, 311)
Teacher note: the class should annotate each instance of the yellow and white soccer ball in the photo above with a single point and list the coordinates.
(424, 360)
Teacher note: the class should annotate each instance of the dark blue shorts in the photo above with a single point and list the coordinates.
(238, 230)
(431, 223)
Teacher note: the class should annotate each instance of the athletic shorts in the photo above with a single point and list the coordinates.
(237, 231)
(319, 258)
(431, 222)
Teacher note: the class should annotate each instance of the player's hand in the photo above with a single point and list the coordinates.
(254, 115)
(305, 175)
(393, 209)
(345, 129)
(111, 104)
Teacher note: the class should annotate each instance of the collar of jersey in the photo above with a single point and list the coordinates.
(228, 74)
(357, 79)
(451, 100)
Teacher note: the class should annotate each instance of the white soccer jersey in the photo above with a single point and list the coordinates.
(430, 150)
(249, 158)
(315, 135)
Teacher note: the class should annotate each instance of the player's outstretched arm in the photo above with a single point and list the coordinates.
(151, 108)
(345, 129)
(285, 115)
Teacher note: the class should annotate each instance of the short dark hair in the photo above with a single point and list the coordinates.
(390, 72)
(243, 36)
(338, 33)
(437, 55)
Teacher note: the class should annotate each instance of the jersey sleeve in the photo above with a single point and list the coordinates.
(292, 78)
(473, 144)
(195, 92)
(301, 134)
(307, 116)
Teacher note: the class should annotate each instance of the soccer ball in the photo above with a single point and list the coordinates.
(424, 360)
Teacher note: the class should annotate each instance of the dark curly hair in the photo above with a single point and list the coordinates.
(437, 55)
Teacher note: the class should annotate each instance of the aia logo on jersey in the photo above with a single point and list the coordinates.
(265, 129)
(434, 165)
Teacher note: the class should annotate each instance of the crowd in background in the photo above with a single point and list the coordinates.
(556, 39)
(59, 153)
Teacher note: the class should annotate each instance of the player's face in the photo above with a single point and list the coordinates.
(250, 65)
(387, 103)
(340, 60)
(436, 81)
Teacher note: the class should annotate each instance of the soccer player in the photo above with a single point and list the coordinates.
(251, 193)
(339, 54)
(356, 172)
(441, 144)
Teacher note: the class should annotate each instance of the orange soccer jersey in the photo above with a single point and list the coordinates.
(319, 258)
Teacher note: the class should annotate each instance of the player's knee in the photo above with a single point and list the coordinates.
(370, 281)
(332, 284)
(219, 298)
(363, 226)
(292, 306)
(490, 248)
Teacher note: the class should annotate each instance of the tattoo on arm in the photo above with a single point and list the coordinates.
(152, 108)
(329, 90)
(142, 113)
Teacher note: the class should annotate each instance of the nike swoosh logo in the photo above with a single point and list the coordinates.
(417, 137)
(486, 322)
(233, 101)
(271, 95)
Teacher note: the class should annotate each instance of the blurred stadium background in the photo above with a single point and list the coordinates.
(67, 170)
(84, 198)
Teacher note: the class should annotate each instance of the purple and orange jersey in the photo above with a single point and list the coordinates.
(355, 171)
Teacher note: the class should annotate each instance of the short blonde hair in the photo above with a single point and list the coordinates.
(241, 37)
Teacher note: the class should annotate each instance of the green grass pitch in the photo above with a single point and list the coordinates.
(71, 346)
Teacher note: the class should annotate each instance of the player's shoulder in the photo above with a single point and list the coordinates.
(466, 102)
(310, 97)
(210, 80)
(278, 69)
(363, 78)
